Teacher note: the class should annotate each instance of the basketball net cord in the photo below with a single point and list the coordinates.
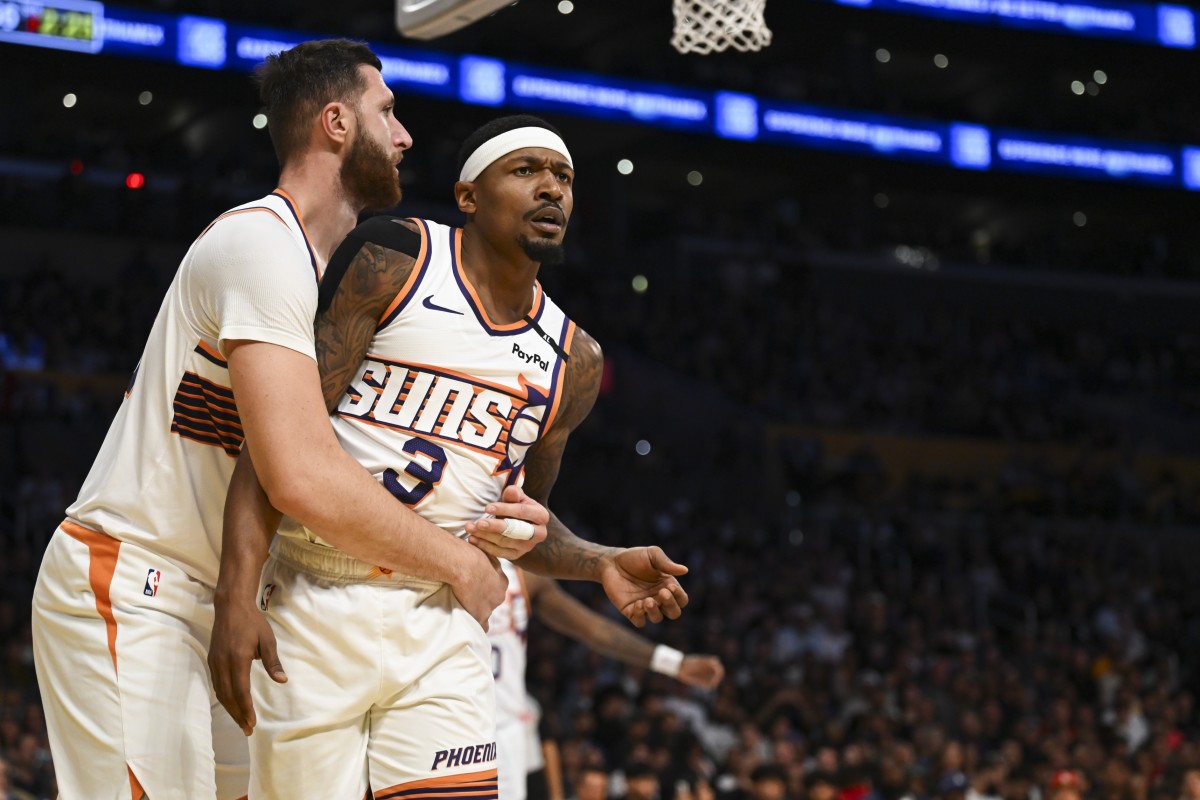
(711, 26)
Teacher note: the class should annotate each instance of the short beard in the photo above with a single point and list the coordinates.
(543, 251)
(369, 176)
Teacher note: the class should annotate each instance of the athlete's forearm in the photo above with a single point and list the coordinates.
(561, 612)
(308, 476)
(353, 512)
(249, 525)
(565, 555)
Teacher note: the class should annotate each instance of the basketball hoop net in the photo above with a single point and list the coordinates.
(710, 26)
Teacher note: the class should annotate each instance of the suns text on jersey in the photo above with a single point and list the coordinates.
(422, 400)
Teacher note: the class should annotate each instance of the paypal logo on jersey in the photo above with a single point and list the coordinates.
(530, 358)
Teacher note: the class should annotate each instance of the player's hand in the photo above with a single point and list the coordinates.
(488, 534)
(703, 672)
(482, 586)
(641, 583)
(240, 635)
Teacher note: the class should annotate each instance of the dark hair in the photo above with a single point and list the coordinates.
(496, 127)
(296, 84)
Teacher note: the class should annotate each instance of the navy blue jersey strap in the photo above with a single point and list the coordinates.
(381, 230)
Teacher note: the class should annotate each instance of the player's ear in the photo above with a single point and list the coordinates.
(335, 121)
(464, 193)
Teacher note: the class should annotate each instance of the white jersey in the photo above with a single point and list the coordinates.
(160, 477)
(508, 630)
(447, 403)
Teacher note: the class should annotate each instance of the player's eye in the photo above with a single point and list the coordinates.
(524, 170)
(564, 177)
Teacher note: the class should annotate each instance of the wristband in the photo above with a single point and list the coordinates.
(666, 660)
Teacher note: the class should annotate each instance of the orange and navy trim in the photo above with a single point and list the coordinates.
(291, 206)
(468, 786)
(236, 211)
(476, 305)
(211, 354)
(205, 413)
(414, 279)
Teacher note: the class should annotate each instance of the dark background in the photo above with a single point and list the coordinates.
(929, 445)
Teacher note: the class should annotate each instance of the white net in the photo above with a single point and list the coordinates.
(710, 26)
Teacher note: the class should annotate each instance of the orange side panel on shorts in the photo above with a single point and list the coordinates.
(135, 786)
(103, 550)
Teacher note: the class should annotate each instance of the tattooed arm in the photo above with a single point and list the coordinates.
(642, 582)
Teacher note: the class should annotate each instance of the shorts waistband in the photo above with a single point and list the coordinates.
(331, 564)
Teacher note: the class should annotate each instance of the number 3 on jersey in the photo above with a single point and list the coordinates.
(428, 461)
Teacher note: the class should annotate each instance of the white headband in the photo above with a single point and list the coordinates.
(504, 143)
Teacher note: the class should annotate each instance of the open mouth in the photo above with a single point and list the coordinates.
(548, 220)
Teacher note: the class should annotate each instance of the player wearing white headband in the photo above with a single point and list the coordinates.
(451, 376)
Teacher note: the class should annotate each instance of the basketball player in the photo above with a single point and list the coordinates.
(508, 630)
(124, 600)
(454, 378)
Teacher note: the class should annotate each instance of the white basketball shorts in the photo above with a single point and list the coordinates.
(120, 638)
(389, 685)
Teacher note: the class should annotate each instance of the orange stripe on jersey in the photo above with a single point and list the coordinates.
(437, 369)
(562, 379)
(486, 451)
(470, 287)
(412, 276)
(102, 550)
(212, 351)
(270, 211)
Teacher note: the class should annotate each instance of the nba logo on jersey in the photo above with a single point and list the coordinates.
(152, 579)
(267, 591)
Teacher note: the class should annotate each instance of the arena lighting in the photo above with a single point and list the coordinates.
(76, 167)
(135, 180)
(1162, 24)
(211, 43)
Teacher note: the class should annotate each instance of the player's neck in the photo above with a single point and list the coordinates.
(503, 279)
(325, 211)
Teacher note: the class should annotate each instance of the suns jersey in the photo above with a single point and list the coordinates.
(447, 403)
(161, 475)
(508, 629)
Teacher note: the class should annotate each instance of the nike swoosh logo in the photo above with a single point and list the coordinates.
(432, 306)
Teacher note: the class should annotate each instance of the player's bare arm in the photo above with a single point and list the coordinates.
(554, 607)
(558, 610)
(642, 582)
